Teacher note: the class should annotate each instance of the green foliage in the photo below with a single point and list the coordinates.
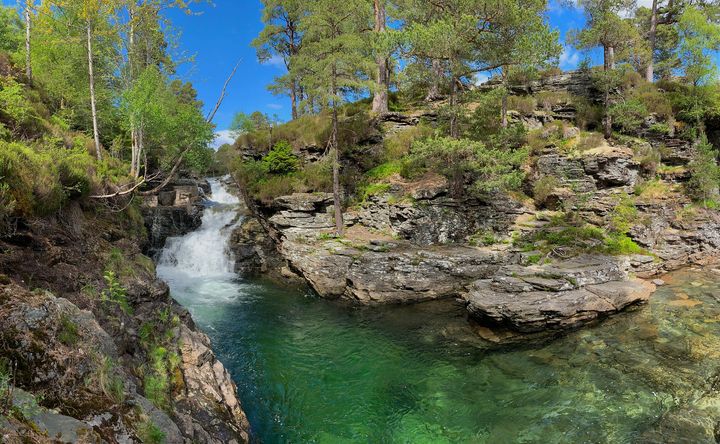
(281, 159)
(704, 173)
(68, 333)
(629, 115)
(385, 170)
(544, 187)
(10, 30)
(484, 238)
(115, 292)
(549, 99)
(7, 208)
(486, 119)
(16, 111)
(652, 189)
(149, 433)
(588, 115)
(523, 104)
(109, 381)
(42, 179)
(170, 123)
(373, 189)
(398, 144)
(469, 164)
(621, 244)
(623, 216)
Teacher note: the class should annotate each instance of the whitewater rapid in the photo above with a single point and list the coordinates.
(199, 267)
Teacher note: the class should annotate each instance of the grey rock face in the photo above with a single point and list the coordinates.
(558, 296)
(175, 211)
(393, 276)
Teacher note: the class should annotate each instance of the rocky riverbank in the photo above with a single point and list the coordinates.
(513, 260)
(94, 348)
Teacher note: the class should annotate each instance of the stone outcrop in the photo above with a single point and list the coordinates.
(385, 272)
(84, 346)
(558, 296)
(575, 82)
(175, 211)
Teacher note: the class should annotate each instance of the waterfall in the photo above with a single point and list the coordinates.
(204, 253)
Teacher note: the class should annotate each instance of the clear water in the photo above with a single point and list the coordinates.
(309, 370)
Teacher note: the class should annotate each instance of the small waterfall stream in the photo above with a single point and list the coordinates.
(312, 371)
(203, 253)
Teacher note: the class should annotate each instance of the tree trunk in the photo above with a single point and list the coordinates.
(454, 130)
(96, 132)
(435, 76)
(28, 66)
(608, 62)
(652, 36)
(294, 99)
(339, 224)
(135, 143)
(611, 54)
(382, 81)
(504, 104)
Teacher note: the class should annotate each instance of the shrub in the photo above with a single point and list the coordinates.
(399, 143)
(588, 115)
(544, 187)
(483, 238)
(522, 104)
(384, 170)
(704, 173)
(485, 119)
(469, 163)
(588, 141)
(372, 189)
(7, 208)
(15, 109)
(149, 433)
(624, 215)
(115, 292)
(548, 99)
(629, 115)
(41, 179)
(281, 159)
(652, 189)
(655, 101)
(109, 382)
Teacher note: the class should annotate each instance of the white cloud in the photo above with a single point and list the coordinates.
(274, 106)
(275, 61)
(569, 58)
(481, 78)
(221, 138)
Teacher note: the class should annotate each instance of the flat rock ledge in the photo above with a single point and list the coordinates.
(559, 296)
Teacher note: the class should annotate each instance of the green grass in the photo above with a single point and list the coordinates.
(68, 333)
(373, 189)
(149, 433)
(385, 170)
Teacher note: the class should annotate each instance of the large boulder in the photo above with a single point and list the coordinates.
(558, 296)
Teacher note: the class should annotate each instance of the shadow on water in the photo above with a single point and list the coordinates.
(310, 370)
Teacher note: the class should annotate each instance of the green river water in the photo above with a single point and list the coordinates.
(309, 370)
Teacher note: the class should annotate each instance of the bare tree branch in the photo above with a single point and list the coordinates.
(211, 116)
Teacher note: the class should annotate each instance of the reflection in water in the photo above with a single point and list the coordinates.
(310, 370)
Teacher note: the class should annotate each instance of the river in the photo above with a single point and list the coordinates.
(309, 370)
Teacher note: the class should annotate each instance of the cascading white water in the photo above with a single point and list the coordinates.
(203, 253)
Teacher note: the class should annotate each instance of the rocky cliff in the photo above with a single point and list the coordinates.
(93, 347)
(513, 259)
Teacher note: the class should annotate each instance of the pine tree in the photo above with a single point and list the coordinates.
(333, 62)
(282, 37)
